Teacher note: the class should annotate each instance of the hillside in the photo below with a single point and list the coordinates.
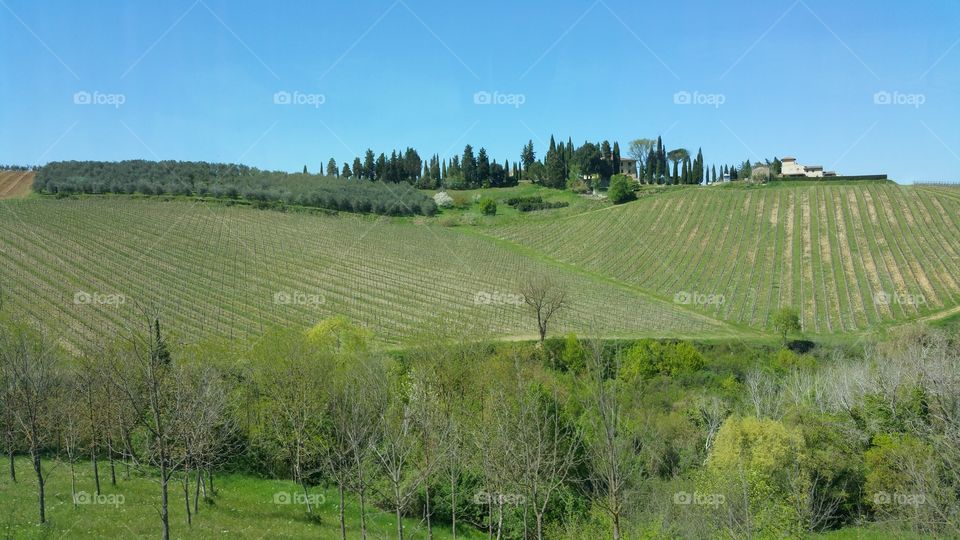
(848, 256)
(703, 262)
(15, 184)
(85, 264)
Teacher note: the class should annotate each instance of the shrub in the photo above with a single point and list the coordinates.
(621, 189)
(443, 200)
(488, 207)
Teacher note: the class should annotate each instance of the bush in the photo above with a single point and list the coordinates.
(621, 189)
(488, 207)
(443, 200)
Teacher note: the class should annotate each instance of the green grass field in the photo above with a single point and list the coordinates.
(243, 507)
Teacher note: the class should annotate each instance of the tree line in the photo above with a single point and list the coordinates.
(467, 171)
(233, 182)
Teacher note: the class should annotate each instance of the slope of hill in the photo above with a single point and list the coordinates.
(81, 266)
(15, 184)
(847, 256)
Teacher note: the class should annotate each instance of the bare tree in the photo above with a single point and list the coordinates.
(399, 448)
(144, 375)
(8, 421)
(32, 365)
(544, 297)
(545, 446)
(612, 458)
(353, 412)
(432, 426)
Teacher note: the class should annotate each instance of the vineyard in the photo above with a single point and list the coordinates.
(84, 267)
(848, 257)
(15, 184)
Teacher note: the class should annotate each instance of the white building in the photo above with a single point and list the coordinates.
(790, 167)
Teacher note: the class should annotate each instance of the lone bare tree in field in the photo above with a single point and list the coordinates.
(544, 297)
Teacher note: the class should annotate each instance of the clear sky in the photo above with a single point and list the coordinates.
(197, 79)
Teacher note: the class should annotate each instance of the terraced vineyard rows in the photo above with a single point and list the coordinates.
(848, 256)
(232, 272)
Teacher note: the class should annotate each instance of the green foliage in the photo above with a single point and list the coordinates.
(621, 189)
(752, 466)
(649, 358)
(230, 181)
(786, 320)
(488, 207)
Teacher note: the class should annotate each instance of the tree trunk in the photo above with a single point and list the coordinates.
(453, 507)
(539, 526)
(399, 524)
(210, 480)
(186, 495)
(196, 493)
(41, 500)
(73, 482)
(489, 519)
(13, 468)
(500, 517)
(363, 512)
(616, 527)
(96, 469)
(164, 502)
(429, 525)
(343, 523)
(113, 468)
(306, 497)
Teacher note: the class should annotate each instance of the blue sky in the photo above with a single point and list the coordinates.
(197, 79)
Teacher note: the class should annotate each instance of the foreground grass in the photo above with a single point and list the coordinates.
(243, 507)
